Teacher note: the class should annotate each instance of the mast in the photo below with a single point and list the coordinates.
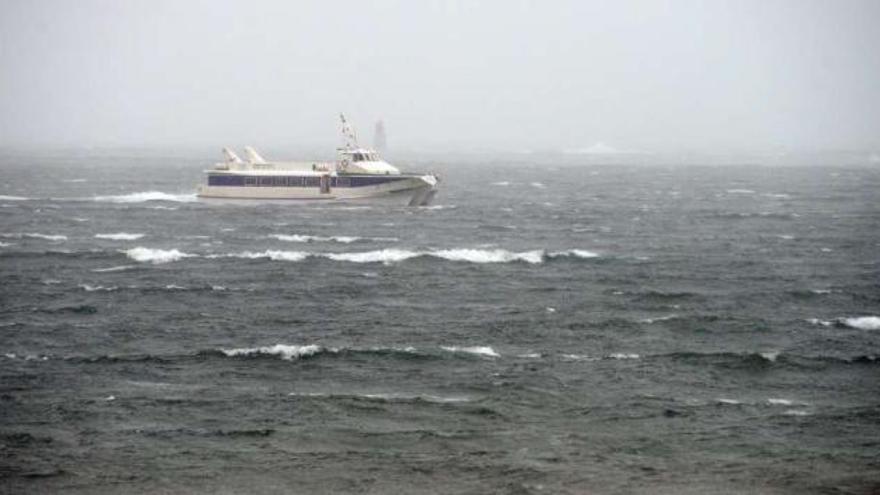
(349, 137)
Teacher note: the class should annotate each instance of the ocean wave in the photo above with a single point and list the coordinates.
(96, 288)
(120, 236)
(286, 352)
(156, 256)
(273, 255)
(141, 197)
(862, 322)
(487, 256)
(119, 268)
(339, 238)
(483, 351)
(6, 244)
(14, 198)
(620, 355)
(32, 235)
(573, 253)
(740, 191)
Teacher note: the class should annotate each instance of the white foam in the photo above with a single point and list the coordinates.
(550, 309)
(314, 238)
(659, 318)
(32, 235)
(141, 197)
(13, 198)
(287, 352)
(96, 288)
(6, 244)
(780, 402)
(529, 355)
(174, 287)
(539, 185)
(778, 195)
(731, 402)
(74, 180)
(821, 291)
(740, 191)
(817, 321)
(488, 256)
(574, 253)
(770, 355)
(114, 268)
(273, 255)
(438, 207)
(379, 256)
(787, 237)
(476, 350)
(119, 236)
(156, 256)
(578, 357)
(620, 355)
(502, 183)
(863, 322)
(796, 412)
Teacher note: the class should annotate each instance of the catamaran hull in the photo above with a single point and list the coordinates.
(414, 191)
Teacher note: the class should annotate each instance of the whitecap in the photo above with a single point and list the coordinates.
(578, 357)
(96, 288)
(796, 412)
(574, 253)
(14, 198)
(174, 287)
(659, 318)
(787, 237)
(314, 238)
(731, 402)
(778, 195)
(740, 191)
(821, 291)
(6, 244)
(539, 185)
(74, 180)
(140, 197)
(485, 351)
(817, 321)
(502, 183)
(286, 352)
(156, 256)
(530, 355)
(32, 235)
(550, 309)
(620, 355)
(770, 355)
(780, 402)
(862, 322)
(488, 256)
(438, 207)
(119, 236)
(114, 268)
(380, 256)
(269, 254)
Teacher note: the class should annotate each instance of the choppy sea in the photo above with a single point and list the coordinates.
(541, 328)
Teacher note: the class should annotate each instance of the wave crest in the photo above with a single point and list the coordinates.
(156, 256)
(141, 197)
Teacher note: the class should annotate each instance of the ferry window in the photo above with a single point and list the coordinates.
(280, 181)
(250, 181)
(265, 181)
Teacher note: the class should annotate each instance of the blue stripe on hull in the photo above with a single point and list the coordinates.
(297, 181)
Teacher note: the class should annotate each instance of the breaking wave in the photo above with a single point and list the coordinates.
(286, 352)
(141, 197)
(120, 236)
(14, 198)
(483, 351)
(339, 238)
(156, 256)
(862, 322)
(31, 235)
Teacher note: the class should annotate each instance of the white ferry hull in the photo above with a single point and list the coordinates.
(412, 191)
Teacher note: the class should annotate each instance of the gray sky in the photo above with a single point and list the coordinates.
(636, 75)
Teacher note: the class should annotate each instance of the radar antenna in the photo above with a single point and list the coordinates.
(348, 135)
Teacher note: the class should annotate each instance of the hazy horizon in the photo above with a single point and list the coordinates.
(635, 76)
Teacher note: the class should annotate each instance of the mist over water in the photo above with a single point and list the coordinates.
(638, 76)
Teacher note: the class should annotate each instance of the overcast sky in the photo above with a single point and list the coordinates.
(635, 75)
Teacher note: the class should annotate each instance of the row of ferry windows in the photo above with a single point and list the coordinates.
(294, 181)
(364, 157)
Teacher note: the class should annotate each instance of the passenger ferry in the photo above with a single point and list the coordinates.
(358, 173)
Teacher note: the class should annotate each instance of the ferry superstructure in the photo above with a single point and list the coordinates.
(358, 173)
